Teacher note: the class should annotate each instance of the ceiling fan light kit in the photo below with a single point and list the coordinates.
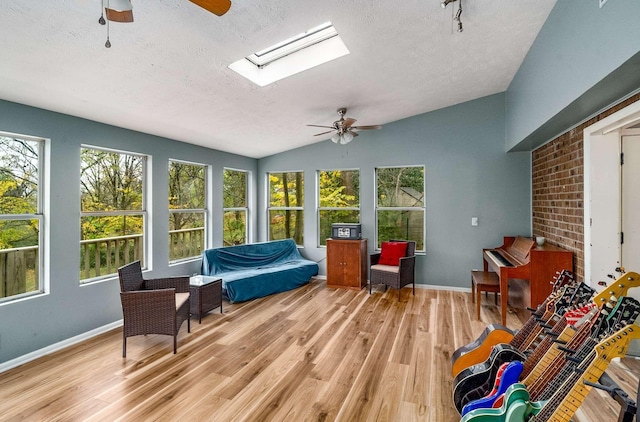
(343, 128)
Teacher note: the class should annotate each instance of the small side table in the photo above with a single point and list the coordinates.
(206, 294)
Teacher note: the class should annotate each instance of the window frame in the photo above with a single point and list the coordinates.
(146, 165)
(205, 211)
(320, 208)
(423, 208)
(39, 215)
(270, 208)
(246, 210)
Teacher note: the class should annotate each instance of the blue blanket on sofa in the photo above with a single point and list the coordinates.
(258, 269)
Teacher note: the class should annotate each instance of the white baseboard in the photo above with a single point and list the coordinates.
(57, 346)
(424, 286)
(449, 288)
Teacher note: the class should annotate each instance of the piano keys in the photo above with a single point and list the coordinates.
(529, 266)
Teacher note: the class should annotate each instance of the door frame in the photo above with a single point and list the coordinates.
(617, 122)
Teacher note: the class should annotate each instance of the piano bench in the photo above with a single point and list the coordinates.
(484, 281)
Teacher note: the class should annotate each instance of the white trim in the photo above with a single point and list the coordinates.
(5, 366)
(609, 123)
(422, 286)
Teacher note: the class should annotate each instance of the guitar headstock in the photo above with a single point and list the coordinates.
(617, 344)
(564, 277)
(573, 297)
(624, 312)
(619, 287)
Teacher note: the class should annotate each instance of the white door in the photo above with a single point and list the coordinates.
(605, 207)
(631, 211)
(631, 202)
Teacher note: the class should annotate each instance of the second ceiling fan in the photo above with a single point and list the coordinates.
(343, 129)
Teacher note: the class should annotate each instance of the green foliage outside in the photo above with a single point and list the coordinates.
(186, 192)
(286, 190)
(338, 189)
(234, 196)
(111, 186)
(19, 162)
(401, 187)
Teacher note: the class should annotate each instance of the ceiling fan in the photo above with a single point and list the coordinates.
(343, 128)
(122, 10)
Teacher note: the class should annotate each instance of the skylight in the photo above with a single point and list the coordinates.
(314, 47)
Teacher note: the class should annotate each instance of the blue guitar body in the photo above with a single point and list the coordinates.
(509, 377)
(516, 408)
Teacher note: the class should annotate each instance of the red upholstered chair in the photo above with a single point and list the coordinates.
(383, 270)
(153, 306)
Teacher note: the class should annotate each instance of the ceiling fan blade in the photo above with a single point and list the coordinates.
(370, 127)
(123, 16)
(323, 133)
(217, 7)
(328, 127)
(353, 133)
(348, 122)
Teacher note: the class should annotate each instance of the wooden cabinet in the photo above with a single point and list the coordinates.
(347, 263)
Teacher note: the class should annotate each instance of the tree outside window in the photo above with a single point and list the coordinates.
(400, 210)
(20, 216)
(235, 207)
(187, 210)
(339, 200)
(112, 211)
(286, 211)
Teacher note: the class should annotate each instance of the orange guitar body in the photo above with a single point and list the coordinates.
(480, 349)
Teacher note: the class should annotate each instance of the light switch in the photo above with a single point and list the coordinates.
(474, 221)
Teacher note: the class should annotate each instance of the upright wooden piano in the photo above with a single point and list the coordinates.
(530, 267)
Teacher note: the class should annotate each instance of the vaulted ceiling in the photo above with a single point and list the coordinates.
(167, 72)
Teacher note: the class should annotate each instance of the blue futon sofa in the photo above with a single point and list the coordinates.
(258, 269)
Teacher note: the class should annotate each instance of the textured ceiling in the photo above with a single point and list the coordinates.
(166, 73)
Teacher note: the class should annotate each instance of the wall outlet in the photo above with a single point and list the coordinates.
(474, 221)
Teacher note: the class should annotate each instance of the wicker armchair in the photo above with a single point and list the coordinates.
(154, 306)
(391, 276)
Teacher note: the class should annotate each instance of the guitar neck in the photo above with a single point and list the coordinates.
(567, 371)
(554, 361)
(524, 332)
(559, 400)
(543, 346)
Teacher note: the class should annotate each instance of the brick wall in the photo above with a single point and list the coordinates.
(558, 189)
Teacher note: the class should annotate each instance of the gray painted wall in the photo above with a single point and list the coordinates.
(579, 45)
(467, 174)
(70, 309)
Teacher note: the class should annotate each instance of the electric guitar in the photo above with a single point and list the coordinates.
(518, 407)
(598, 323)
(475, 382)
(507, 375)
(562, 405)
(496, 401)
(478, 350)
(563, 365)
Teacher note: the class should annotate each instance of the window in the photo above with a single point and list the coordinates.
(339, 200)
(400, 212)
(235, 207)
(187, 210)
(21, 163)
(112, 211)
(286, 211)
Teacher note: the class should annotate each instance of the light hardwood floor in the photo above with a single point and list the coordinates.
(312, 354)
